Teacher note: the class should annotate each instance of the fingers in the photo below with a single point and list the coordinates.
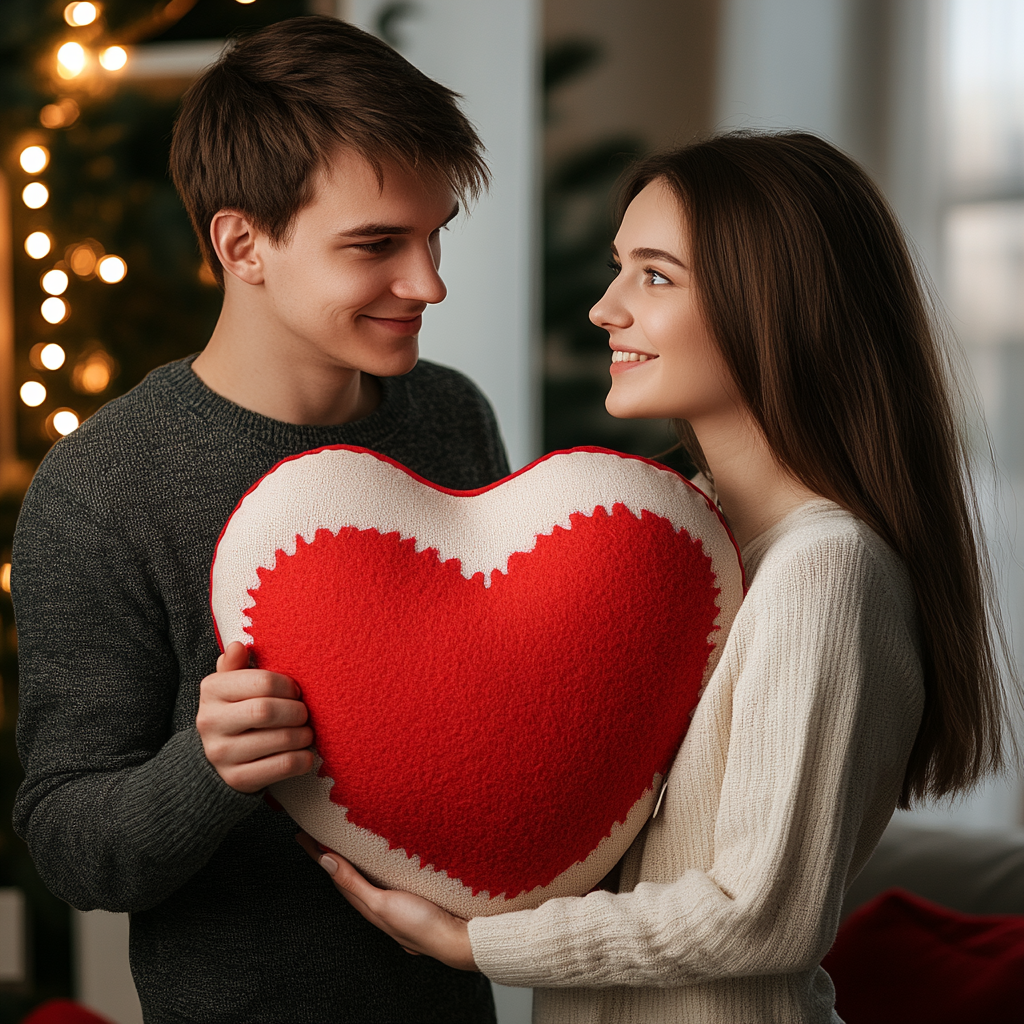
(231, 718)
(352, 884)
(235, 656)
(232, 749)
(342, 873)
(252, 776)
(246, 683)
(349, 882)
(252, 723)
(418, 926)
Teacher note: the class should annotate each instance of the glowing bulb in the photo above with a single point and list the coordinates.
(83, 259)
(32, 393)
(246, 1)
(37, 245)
(5, 577)
(54, 310)
(34, 195)
(111, 269)
(54, 282)
(113, 58)
(64, 421)
(70, 60)
(93, 374)
(33, 159)
(77, 15)
(59, 115)
(52, 356)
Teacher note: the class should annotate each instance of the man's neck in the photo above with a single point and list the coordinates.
(246, 363)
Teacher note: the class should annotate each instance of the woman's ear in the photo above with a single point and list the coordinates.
(234, 241)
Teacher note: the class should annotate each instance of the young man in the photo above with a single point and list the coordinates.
(319, 169)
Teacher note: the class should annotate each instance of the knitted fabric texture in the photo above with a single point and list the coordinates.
(786, 779)
(521, 638)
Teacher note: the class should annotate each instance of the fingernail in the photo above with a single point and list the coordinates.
(329, 864)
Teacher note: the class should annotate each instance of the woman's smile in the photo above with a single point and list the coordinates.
(627, 359)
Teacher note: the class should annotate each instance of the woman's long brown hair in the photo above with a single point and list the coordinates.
(808, 287)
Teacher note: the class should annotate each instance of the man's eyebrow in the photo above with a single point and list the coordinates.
(368, 230)
(656, 254)
(364, 230)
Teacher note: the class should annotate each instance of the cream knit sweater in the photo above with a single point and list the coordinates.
(791, 769)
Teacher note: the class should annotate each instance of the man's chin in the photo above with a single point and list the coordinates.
(395, 365)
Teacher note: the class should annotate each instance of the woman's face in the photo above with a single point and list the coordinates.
(665, 364)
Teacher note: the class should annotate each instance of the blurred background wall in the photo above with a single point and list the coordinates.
(928, 94)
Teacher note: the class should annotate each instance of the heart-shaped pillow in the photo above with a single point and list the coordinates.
(498, 679)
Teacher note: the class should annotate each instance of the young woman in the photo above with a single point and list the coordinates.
(767, 284)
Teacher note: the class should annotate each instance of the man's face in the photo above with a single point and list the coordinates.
(347, 286)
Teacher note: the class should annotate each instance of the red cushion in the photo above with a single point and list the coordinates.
(63, 1011)
(497, 679)
(902, 959)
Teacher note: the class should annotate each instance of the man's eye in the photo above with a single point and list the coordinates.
(375, 247)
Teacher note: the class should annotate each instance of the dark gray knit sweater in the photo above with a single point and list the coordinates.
(231, 921)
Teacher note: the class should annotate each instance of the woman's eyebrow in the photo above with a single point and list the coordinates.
(656, 254)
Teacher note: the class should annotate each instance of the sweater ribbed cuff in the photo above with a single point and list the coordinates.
(188, 802)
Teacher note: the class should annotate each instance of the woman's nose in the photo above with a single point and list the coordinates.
(608, 312)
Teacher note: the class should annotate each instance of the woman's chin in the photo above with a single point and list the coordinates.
(629, 407)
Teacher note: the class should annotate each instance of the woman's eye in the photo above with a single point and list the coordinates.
(614, 267)
(655, 277)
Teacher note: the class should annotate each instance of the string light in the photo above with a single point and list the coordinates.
(37, 245)
(52, 356)
(80, 14)
(83, 259)
(71, 59)
(92, 374)
(246, 1)
(5, 577)
(54, 282)
(111, 269)
(59, 115)
(35, 194)
(32, 393)
(113, 58)
(54, 310)
(34, 159)
(64, 421)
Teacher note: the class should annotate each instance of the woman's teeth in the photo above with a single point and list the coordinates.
(629, 357)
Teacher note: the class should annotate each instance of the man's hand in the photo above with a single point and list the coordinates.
(252, 724)
(416, 924)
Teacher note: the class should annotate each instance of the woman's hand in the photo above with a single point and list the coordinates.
(416, 924)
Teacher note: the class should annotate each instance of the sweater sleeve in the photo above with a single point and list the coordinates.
(116, 808)
(825, 706)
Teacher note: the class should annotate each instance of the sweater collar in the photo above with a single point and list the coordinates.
(754, 550)
(372, 431)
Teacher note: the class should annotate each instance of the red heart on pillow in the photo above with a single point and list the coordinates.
(497, 679)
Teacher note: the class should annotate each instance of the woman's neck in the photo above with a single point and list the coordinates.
(754, 490)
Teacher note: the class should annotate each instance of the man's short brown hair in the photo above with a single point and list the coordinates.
(254, 130)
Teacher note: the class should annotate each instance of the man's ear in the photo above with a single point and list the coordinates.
(234, 241)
